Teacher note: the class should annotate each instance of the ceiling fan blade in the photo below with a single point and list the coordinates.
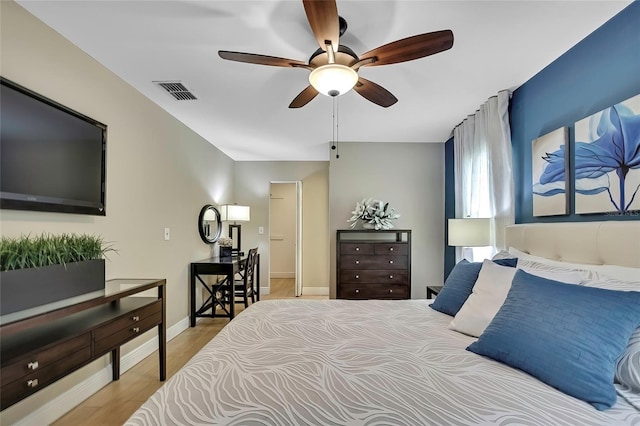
(374, 93)
(323, 19)
(410, 48)
(253, 58)
(304, 97)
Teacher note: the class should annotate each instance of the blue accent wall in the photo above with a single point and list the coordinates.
(449, 206)
(600, 71)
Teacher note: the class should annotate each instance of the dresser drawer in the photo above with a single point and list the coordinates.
(356, 248)
(128, 320)
(12, 392)
(374, 276)
(391, 248)
(37, 361)
(373, 262)
(123, 335)
(373, 291)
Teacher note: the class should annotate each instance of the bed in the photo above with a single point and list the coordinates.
(378, 362)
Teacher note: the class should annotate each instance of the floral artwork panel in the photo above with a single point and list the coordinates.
(549, 162)
(607, 160)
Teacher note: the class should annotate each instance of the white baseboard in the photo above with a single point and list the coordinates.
(283, 275)
(315, 291)
(61, 405)
(265, 290)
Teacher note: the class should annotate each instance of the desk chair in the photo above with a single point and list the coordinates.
(244, 284)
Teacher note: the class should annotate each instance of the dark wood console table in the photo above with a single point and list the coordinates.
(41, 345)
(221, 292)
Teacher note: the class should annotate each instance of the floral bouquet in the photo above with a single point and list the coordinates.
(225, 246)
(374, 214)
(225, 242)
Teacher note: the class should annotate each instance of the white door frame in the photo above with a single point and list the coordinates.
(298, 249)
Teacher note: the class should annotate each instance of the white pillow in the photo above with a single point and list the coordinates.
(489, 293)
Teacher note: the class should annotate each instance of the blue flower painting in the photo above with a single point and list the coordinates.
(606, 160)
(549, 160)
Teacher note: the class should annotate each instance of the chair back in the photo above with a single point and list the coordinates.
(250, 266)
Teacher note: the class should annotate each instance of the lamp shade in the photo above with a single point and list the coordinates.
(234, 212)
(469, 232)
(332, 78)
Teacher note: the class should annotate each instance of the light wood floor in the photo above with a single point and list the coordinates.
(115, 403)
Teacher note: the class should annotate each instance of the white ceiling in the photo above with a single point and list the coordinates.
(243, 109)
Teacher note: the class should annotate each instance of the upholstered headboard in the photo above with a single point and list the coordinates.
(596, 243)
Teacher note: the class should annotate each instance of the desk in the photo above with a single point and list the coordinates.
(221, 292)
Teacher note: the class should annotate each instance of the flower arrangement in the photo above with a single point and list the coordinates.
(374, 214)
(225, 242)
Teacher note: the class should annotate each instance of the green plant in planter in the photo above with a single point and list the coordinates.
(47, 249)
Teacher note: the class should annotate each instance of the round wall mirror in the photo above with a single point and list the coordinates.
(209, 224)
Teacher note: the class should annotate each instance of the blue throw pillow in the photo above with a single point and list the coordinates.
(459, 285)
(568, 336)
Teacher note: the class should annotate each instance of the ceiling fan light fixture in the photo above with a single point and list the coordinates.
(331, 78)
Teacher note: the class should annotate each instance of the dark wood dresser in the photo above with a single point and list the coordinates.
(41, 346)
(373, 264)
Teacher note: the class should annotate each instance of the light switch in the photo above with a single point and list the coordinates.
(167, 234)
(261, 230)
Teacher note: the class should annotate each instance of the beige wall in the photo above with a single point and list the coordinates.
(282, 230)
(159, 173)
(252, 183)
(410, 176)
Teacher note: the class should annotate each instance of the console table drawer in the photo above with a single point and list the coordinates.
(24, 386)
(128, 320)
(123, 335)
(37, 361)
(373, 291)
(374, 276)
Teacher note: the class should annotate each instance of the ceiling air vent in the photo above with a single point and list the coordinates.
(177, 90)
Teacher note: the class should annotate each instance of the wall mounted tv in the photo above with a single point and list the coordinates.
(51, 157)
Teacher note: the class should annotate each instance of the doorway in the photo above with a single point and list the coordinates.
(285, 237)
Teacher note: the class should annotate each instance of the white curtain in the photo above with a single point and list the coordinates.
(483, 171)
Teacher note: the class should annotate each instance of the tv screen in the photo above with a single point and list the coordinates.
(51, 157)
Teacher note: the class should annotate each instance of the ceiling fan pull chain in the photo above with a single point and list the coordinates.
(333, 122)
(335, 99)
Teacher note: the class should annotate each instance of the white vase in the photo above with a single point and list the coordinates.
(367, 225)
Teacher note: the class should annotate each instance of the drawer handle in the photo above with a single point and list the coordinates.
(135, 329)
(390, 277)
(357, 277)
(32, 383)
(357, 262)
(135, 318)
(33, 365)
(390, 290)
(357, 291)
(391, 261)
(357, 248)
(390, 248)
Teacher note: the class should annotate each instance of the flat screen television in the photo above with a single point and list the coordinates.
(51, 157)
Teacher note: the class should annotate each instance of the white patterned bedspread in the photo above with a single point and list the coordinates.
(341, 362)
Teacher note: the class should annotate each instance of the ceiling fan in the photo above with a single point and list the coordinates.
(334, 67)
